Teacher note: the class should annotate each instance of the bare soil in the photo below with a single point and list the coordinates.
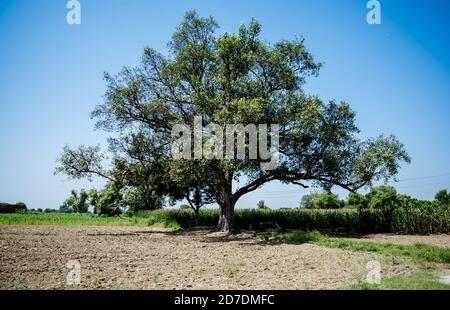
(35, 257)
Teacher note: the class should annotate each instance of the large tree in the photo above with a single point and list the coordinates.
(233, 78)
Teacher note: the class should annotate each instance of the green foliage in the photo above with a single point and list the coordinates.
(164, 218)
(106, 202)
(323, 200)
(48, 210)
(422, 218)
(418, 252)
(110, 200)
(383, 198)
(307, 201)
(228, 78)
(429, 219)
(185, 207)
(328, 200)
(383, 210)
(142, 198)
(65, 208)
(231, 269)
(442, 196)
(42, 218)
(78, 202)
(411, 221)
(405, 201)
(357, 200)
(21, 207)
(420, 280)
(262, 206)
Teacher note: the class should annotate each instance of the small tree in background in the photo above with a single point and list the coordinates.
(262, 205)
(357, 200)
(65, 208)
(140, 198)
(21, 207)
(382, 197)
(69, 203)
(328, 200)
(442, 196)
(307, 201)
(408, 202)
(77, 202)
(323, 200)
(107, 201)
(197, 197)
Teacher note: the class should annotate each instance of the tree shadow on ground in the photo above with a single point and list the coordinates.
(182, 232)
(244, 237)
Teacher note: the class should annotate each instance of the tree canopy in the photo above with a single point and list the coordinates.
(232, 78)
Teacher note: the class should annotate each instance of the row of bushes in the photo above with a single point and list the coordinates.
(428, 220)
(382, 210)
(431, 218)
(111, 201)
(380, 197)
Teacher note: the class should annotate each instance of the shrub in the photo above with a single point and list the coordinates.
(65, 208)
(443, 196)
(307, 201)
(262, 206)
(142, 198)
(357, 200)
(324, 200)
(382, 197)
(328, 200)
(427, 219)
(424, 218)
(405, 201)
(76, 202)
(106, 202)
(21, 207)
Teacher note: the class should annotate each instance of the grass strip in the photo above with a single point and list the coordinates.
(83, 220)
(424, 279)
(419, 253)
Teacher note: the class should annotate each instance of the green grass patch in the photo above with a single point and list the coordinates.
(231, 269)
(83, 220)
(424, 279)
(419, 253)
(348, 221)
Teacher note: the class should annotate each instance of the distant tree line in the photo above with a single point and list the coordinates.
(382, 197)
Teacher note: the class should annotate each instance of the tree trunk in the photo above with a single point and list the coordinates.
(197, 214)
(226, 217)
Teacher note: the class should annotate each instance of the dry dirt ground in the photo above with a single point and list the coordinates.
(35, 257)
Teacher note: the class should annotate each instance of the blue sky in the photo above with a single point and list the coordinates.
(395, 75)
